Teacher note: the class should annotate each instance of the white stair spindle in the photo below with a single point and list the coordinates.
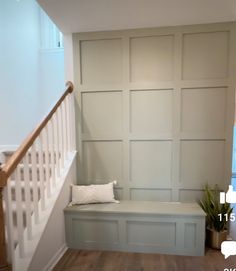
(73, 124)
(47, 169)
(52, 153)
(19, 212)
(26, 178)
(64, 129)
(9, 221)
(61, 138)
(56, 134)
(41, 172)
(35, 183)
(69, 122)
(68, 127)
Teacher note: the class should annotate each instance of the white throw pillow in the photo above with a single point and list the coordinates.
(100, 193)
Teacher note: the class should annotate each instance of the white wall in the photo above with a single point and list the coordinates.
(18, 69)
(51, 78)
(156, 109)
(31, 79)
(69, 58)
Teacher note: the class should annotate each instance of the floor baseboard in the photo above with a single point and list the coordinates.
(54, 260)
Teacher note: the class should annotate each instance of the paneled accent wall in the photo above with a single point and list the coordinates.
(156, 109)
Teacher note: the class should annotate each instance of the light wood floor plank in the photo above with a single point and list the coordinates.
(77, 260)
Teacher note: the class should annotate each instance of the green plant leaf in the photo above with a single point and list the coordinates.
(211, 205)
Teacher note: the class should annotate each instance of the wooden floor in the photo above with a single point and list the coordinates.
(119, 261)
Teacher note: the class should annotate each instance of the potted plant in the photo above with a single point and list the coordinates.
(217, 216)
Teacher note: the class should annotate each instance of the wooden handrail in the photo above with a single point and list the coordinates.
(15, 159)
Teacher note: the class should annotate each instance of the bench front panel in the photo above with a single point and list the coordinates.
(169, 234)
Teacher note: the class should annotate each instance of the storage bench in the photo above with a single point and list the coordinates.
(137, 226)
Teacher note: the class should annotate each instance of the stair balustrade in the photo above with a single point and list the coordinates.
(29, 178)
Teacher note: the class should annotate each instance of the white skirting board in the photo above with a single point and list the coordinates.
(55, 259)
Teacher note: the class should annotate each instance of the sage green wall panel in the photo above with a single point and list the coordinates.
(155, 109)
(151, 163)
(150, 194)
(205, 55)
(195, 155)
(151, 58)
(101, 61)
(146, 104)
(189, 195)
(102, 113)
(204, 110)
(102, 161)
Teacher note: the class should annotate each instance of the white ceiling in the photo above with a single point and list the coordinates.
(73, 16)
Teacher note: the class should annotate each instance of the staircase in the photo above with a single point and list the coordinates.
(31, 180)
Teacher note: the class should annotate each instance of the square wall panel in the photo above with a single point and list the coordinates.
(102, 113)
(203, 110)
(188, 195)
(151, 163)
(150, 194)
(151, 58)
(205, 55)
(202, 162)
(101, 61)
(103, 161)
(151, 111)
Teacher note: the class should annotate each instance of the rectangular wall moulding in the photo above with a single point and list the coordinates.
(190, 232)
(101, 61)
(150, 194)
(151, 163)
(151, 111)
(102, 161)
(205, 55)
(151, 233)
(151, 58)
(108, 231)
(188, 195)
(204, 111)
(202, 162)
(102, 113)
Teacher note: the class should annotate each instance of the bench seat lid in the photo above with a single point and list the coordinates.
(140, 207)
